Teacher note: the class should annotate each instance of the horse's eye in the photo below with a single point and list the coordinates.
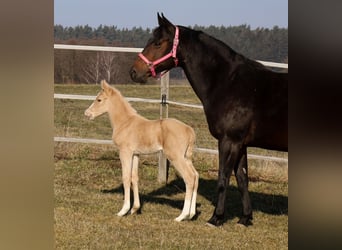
(99, 100)
(157, 43)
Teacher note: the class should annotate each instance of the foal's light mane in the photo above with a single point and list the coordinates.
(125, 104)
(119, 109)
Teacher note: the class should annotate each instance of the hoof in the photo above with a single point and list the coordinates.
(136, 210)
(180, 218)
(246, 221)
(191, 216)
(216, 220)
(122, 213)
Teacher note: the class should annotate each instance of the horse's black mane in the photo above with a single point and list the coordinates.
(215, 44)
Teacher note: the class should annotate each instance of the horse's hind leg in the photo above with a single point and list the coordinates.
(194, 193)
(126, 164)
(228, 157)
(191, 183)
(241, 174)
(135, 179)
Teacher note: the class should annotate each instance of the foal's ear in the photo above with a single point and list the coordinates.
(165, 23)
(105, 86)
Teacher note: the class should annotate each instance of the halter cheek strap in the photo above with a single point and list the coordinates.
(172, 53)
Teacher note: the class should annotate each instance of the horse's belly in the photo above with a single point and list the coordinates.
(147, 149)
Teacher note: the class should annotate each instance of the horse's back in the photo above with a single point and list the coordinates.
(178, 138)
(177, 128)
(139, 134)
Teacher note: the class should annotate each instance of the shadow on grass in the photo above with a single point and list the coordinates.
(266, 203)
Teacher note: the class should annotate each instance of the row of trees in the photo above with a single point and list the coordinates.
(90, 67)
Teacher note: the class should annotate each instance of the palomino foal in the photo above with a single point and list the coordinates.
(134, 135)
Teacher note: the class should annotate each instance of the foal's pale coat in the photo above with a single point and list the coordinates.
(135, 135)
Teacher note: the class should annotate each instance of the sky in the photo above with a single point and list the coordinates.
(143, 13)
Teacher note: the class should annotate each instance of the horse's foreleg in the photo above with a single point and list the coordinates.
(126, 164)
(135, 179)
(241, 174)
(228, 155)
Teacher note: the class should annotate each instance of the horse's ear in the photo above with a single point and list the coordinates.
(105, 86)
(160, 19)
(164, 22)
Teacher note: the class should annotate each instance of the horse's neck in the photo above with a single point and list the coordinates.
(120, 111)
(201, 57)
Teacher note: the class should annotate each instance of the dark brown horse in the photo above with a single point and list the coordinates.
(245, 103)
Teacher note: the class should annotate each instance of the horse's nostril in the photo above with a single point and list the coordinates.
(133, 73)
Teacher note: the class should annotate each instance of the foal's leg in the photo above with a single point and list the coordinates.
(189, 177)
(228, 156)
(194, 193)
(135, 179)
(126, 164)
(241, 174)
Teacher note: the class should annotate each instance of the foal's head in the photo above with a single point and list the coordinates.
(101, 103)
(160, 45)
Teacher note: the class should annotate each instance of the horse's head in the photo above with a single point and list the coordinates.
(159, 53)
(101, 102)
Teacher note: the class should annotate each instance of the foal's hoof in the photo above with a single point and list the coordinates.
(215, 220)
(136, 210)
(191, 216)
(180, 218)
(122, 213)
(246, 221)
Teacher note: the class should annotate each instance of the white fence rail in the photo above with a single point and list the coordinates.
(130, 99)
(164, 91)
(133, 99)
(137, 50)
(200, 150)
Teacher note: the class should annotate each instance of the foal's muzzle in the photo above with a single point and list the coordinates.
(89, 115)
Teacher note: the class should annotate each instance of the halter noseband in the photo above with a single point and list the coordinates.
(172, 54)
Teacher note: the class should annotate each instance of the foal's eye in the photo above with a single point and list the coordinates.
(99, 100)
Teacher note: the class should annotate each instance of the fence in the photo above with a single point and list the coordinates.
(164, 95)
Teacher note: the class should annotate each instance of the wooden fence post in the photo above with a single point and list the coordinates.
(164, 113)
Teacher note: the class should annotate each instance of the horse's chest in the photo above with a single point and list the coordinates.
(229, 119)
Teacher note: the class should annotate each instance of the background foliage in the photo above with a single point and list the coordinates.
(91, 67)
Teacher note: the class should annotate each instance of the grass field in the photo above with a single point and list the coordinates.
(88, 187)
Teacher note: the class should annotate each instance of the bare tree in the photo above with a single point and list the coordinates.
(92, 69)
(108, 61)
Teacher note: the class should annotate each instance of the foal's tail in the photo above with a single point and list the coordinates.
(191, 143)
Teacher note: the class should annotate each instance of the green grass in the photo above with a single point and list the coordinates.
(88, 187)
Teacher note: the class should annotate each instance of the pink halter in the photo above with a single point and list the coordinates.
(172, 54)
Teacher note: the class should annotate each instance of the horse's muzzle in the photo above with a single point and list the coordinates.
(136, 77)
(89, 115)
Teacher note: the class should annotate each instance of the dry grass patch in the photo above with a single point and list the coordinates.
(88, 194)
(88, 188)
